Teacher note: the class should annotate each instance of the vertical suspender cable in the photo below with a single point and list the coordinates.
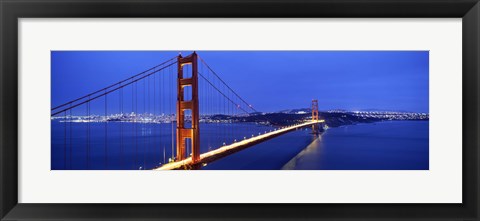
(133, 125)
(162, 111)
(88, 134)
(225, 114)
(170, 112)
(154, 121)
(70, 138)
(144, 124)
(106, 132)
(65, 140)
(122, 154)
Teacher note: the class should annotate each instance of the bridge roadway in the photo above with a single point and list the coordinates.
(232, 148)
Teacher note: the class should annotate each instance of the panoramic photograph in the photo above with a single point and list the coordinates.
(239, 110)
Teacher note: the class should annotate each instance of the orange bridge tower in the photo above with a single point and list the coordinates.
(186, 132)
(315, 116)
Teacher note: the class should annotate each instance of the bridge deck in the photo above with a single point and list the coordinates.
(232, 148)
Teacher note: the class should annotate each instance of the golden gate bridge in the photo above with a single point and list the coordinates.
(184, 94)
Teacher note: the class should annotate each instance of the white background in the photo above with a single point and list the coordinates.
(441, 184)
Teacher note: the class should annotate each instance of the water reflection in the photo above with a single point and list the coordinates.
(314, 148)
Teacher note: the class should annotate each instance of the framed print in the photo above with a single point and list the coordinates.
(319, 110)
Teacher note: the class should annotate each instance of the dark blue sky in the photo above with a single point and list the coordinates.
(270, 80)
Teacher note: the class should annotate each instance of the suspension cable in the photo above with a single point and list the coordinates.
(200, 74)
(107, 92)
(130, 78)
(243, 100)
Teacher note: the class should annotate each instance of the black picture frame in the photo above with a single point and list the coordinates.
(12, 10)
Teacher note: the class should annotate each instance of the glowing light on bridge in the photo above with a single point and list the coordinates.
(211, 154)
